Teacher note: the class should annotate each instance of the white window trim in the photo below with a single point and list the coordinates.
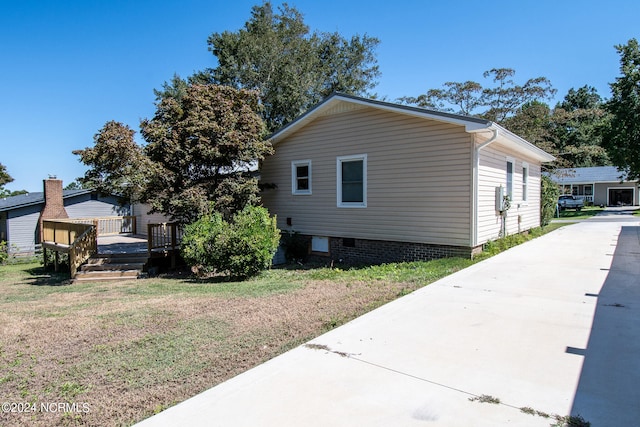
(525, 183)
(294, 178)
(339, 161)
(513, 169)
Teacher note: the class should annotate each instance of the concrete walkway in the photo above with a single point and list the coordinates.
(552, 325)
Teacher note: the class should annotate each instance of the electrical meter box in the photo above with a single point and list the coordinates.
(500, 199)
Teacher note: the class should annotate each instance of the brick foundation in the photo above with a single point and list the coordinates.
(361, 251)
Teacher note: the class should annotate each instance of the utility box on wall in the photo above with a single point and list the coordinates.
(500, 199)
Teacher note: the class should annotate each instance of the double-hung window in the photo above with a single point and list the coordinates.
(352, 181)
(510, 163)
(301, 177)
(525, 181)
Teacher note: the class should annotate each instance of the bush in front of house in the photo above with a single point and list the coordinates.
(241, 248)
(549, 200)
(4, 252)
(295, 245)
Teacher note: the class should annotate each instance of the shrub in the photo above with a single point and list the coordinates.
(4, 252)
(296, 247)
(240, 248)
(63, 260)
(549, 200)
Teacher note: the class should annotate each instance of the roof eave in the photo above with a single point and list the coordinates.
(471, 124)
(519, 144)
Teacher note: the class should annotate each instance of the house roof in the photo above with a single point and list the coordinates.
(29, 199)
(588, 175)
(471, 124)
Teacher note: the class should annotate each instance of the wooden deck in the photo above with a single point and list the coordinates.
(86, 238)
(122, 244)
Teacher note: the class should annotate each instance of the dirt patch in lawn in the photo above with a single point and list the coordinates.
(114, 354)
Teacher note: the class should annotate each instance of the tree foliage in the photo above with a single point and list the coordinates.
(572, 131)
(117, 165)
(240, 248)
(5, 178)
(578, 123)
(549, 194)
(203, 147)
(497, 102)
(622, 137)
(175, 88)
(76, 184)
(291, 68)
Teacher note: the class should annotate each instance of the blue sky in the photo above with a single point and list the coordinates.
(70, 66)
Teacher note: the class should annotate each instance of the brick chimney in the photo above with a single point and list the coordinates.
(53, 203)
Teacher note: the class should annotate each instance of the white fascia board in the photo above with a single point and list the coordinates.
(513, 141)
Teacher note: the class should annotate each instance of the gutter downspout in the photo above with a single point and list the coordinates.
(476, 167)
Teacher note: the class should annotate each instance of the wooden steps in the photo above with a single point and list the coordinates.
(112, 267)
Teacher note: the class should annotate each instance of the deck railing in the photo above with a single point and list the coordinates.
(83, 248)
(78, 240)
(165, 236)
(109, 224)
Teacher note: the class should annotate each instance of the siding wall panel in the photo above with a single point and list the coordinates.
(418, 178)
(22, 225)
(84, 207)
(492, 173)
(143, 218)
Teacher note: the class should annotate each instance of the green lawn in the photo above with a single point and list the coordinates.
(586, 213)
(127, 350)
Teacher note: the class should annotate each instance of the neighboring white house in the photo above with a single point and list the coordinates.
(371, 181)
(599, 185)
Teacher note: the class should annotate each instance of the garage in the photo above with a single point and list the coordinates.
(620, 197)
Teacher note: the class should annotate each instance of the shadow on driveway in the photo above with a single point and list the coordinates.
(608, 391)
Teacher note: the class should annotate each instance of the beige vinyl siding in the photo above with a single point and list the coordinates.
(492, 173)
(143, 217)
(418, 178)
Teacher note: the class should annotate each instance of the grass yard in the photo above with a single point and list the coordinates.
(117, 353)
(586, 213)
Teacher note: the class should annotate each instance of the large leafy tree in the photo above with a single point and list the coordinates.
(532, 122)
(496, 102)
(203, 146)
(117, 164)
(290, 67)
(175, 88)
(578, 123)
(622, 137)
(572, 131)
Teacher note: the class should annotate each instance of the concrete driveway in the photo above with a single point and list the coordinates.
(552, 325)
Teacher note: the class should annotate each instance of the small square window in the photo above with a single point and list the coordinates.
(301, 177)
